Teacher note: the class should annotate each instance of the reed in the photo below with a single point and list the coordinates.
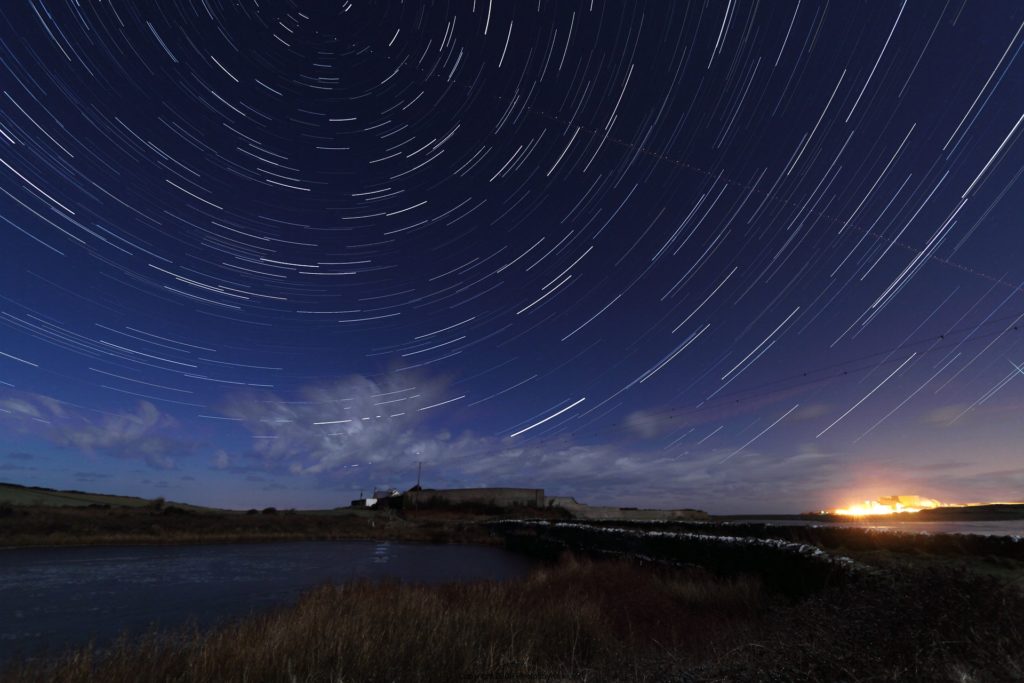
(584, 620)
(578, 620)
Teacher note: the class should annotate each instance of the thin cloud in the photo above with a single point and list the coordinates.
(145, 434)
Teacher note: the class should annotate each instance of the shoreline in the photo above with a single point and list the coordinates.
(129, 542)
(50, 527)
(667, 606)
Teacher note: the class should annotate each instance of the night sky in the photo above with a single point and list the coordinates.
(731, 255)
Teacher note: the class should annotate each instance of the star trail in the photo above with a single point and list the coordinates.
(731, 255)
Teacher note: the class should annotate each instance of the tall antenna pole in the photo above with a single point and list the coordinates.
(419, 471)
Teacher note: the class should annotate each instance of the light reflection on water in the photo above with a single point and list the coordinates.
(1011, 527)
(54, 597)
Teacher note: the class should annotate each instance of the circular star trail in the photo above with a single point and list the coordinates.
(661, 252)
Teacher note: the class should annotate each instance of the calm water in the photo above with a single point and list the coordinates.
(1011, 527)
(51, 598)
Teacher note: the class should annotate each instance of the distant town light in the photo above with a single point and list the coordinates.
(889, 505)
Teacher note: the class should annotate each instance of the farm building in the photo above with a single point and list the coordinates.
(584, 511)
(501, 497)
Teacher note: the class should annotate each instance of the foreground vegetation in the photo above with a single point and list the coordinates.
(676, 602)
(853, 541)
(582, 620)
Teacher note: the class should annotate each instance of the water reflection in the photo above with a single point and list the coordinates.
(54, 597)
(1011, 527)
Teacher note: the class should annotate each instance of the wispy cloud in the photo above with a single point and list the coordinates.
(337, 425)
(368, 433)
(145, 433)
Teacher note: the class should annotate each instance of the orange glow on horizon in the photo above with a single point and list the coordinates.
(894, 505)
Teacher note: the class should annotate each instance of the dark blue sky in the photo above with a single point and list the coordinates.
(738, 256)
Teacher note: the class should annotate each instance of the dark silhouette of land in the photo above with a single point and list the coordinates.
(612, 600)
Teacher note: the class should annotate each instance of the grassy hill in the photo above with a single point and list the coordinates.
(38, 516)
(37, 496)
(973, 513)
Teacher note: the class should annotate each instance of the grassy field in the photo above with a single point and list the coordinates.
(31, 516)
(24, 526)
(13, 494)
(582, 620)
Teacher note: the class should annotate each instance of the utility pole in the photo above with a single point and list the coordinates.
(419, 471)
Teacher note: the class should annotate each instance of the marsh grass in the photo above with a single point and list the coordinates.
(825, 620)
(907, 625)
(578, 620)
(751, 613)
(584, 620)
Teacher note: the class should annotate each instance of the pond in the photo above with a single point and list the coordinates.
(53, 598)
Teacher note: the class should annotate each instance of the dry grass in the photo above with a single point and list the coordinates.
(582, 620)
(576, 621)
(914, 622)
(933, 625)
